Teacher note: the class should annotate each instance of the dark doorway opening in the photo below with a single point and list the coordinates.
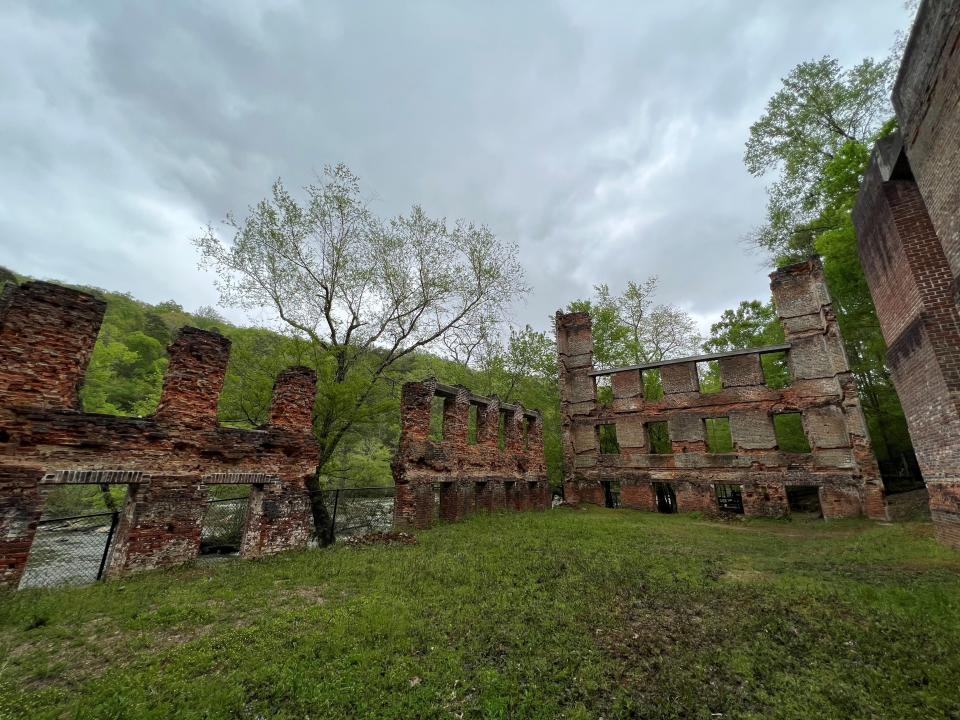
(666, 500)
(730, 499)
(224, 520)
(804, 500)
(611, 493)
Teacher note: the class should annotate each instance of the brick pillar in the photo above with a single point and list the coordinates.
(818, 361)
(451, 501)
(765, 499)
(414, 499)
(294, 395)
(20, 508)
(160, 524)
(578, 396)
(456, 420)
(498, 494)
(488, 422)
(194, 378)
(913, 290)
(638, 495)
(47, 333)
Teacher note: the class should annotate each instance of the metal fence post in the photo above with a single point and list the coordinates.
(333, 520)
(106, 548)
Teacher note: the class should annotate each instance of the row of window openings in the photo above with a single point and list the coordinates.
(438, 432)
(787, 427)
(776, 375)
(803, 499)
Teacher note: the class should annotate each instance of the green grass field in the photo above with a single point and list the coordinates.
(577, 614)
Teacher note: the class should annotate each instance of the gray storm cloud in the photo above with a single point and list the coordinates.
(604, 139)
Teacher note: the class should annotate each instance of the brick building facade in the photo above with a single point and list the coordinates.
(488, 456)
(907, 218)
(168, 460)
(687, 474)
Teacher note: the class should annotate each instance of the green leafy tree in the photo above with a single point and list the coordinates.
(631, 329)
(820, 108)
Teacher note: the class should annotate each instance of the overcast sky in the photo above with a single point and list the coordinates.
(604, 138)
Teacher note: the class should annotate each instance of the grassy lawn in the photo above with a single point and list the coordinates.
(578, 614)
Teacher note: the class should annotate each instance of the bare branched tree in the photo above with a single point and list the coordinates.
(364, 291)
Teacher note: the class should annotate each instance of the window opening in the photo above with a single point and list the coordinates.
(607, 439)
(730, 498)
(708, 373)
(776, 371)
(659, 435)
(719, 439)
(788, 429)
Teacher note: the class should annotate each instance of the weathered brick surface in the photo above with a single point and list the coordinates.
(168, 460)
(469, 477)
(823, 391)
(907, 218)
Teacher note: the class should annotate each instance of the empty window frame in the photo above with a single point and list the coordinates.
(604, 387)
(224, 519)
(652, 385)
(708, 373)
(788, 428)
(776, 371)
(804, 500)
(502, 430)
(659, 436)
(607, 439)
(729, 498)
(719, 439)
(436, 418)
(525, 430)
(473, 429)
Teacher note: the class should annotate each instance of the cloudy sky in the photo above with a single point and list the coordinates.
(604, 138)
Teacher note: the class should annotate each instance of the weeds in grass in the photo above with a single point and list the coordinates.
(584, 614)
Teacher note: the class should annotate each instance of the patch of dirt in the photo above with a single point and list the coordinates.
(381, 538)
(910, 506)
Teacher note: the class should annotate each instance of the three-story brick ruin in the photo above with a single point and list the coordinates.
(686, 474)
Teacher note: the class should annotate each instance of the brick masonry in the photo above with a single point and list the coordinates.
(907, 217)
(841, 463)
(168, 461)
(450, 478)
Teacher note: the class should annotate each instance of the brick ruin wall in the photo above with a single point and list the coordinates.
(841, 464)
(907, 218)
(452, 477)
(168, 460)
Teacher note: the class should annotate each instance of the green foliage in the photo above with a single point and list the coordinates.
(719, 439)
(817, 131)
(630, 329)
(819, 109)
(788, 428)
(562, 614)
(607, 436)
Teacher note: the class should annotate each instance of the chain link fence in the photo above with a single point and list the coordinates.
(360, 511)
(69, 550)
(223, 522)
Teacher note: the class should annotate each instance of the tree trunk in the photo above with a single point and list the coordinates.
(322, 522)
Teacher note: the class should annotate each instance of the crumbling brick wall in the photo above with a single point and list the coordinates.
(841, 463)
(452, 477)
(907, 217)
(168, 460)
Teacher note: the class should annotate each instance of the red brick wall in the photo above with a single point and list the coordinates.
(472, 477)
(46, 336)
